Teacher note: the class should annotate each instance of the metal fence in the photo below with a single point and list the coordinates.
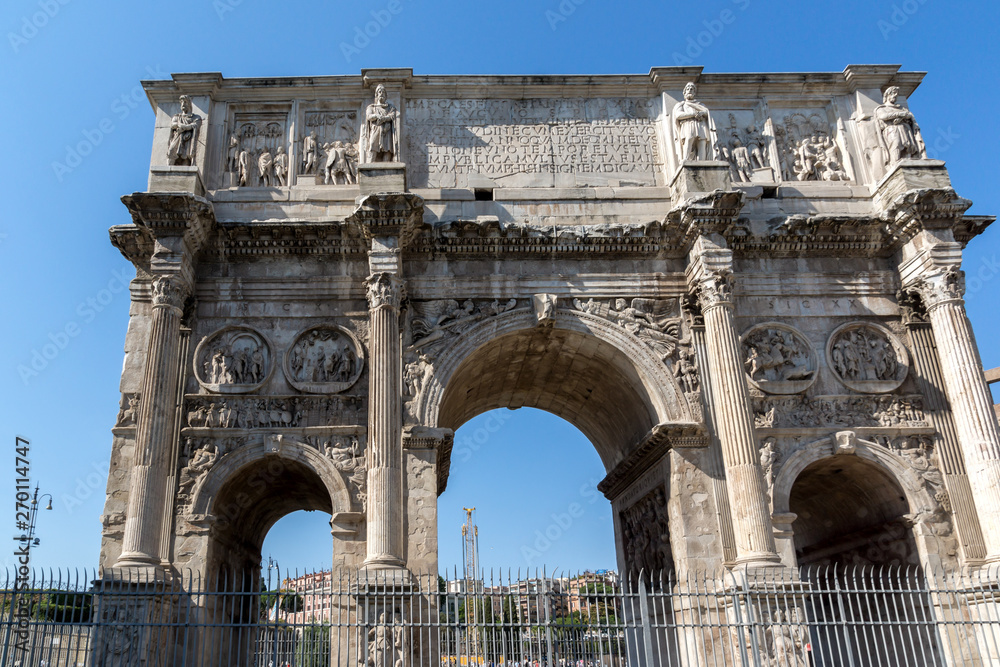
(815, 617)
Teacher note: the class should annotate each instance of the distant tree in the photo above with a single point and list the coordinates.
(64, 606)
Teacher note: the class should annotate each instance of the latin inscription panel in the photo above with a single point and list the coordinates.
(531, 143)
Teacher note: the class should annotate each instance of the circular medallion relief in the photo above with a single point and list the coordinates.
(233, 360)
(867, 358)
(778, 359)
(325, 359)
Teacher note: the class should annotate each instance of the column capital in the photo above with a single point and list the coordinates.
(388, 215)
(945, 285)
(385, 289)
(710, 273)
(933, 273)
(170, 291)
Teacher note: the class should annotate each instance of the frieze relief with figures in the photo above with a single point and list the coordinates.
(330, 153)
(845, 411)
(268, 412)
(646, 534)
(257, 150)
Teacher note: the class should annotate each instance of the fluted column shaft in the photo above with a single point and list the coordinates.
(385, 424)
(155, 428)
(971, 403)
(748, 498)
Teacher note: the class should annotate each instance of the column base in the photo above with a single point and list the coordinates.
(379, 578)
(132, 560)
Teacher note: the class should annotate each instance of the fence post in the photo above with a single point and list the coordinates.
(838, 592)
(647, 624)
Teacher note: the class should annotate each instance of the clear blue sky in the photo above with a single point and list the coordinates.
(69, 74)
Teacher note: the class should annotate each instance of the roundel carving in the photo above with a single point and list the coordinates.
(233, 360)
(867, 358)
(325, 359)
(778, 359)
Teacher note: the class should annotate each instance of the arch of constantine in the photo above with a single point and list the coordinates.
(744, 289)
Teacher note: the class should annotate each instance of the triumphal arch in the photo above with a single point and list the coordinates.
(744, 289)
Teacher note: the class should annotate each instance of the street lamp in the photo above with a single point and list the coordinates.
(27, 541)
(273, 565)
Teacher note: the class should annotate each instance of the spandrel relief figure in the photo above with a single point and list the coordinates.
(433, 320)
(380, 132)
(655, 321)
(201, 462)
(183, 135)
(898, 133)
(686, 371)
(768, 459)
(128, 415)
(692, 127)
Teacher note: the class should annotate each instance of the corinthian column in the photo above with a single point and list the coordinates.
(941, 291)
(388, 221)
(710, 277)
(385, 423)
(155, 427)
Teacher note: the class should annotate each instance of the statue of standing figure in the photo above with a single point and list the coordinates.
(379, 131)
(183, 135)
(898, 133)
(692, 127)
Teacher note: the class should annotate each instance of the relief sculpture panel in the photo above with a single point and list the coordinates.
(778, 359)
(867, 358)
(255, 153)
(324, 359)
(329, 148)
(809, 149)
(646, 535)
(234, 360)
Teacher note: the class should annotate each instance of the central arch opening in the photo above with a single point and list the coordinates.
(565, 372)
(576, 376)
(532, 478)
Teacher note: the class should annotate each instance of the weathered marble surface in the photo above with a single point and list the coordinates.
(727, 330)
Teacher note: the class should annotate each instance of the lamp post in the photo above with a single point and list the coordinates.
(273, 565)
(27, 541)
